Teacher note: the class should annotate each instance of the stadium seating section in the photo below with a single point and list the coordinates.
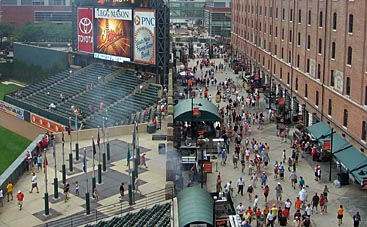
(157, 216)
(126, 97)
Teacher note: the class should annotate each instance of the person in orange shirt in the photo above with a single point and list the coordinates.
(258, 214)
(340, 215)
(250, 214)
(266, 210)
(297, 204)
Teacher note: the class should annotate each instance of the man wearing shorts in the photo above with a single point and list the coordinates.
(20, 197)
(34, 183)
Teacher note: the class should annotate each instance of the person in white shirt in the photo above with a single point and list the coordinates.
(270, 219)
(256, 202)
(240, 185)
(308, 210)
(1, 197)
(34, 183)
(240, 209)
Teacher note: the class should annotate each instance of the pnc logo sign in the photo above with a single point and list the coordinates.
(147, 21)
(85, 26)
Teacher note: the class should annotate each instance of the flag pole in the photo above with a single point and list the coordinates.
(87, 197)
(130, 187)
(137, 149)
(63, 159)
(71, 147)
(108, 142)
(99, 161)
(104, 146)
(56, 182)
(94, 165)
(47, 207)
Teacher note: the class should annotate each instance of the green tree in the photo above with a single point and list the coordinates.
(6, 30)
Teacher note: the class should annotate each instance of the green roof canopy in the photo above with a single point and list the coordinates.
(195, 206)
(183, 110)
(343, 151)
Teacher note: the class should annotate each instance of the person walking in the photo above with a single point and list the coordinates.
(9, 191)
(315, 202)
(137, 184)
(122, 191)
(240, 185)
(270, 219)
(66, 191)
(219, 183)
(340, 213)
(1, 198)
(263, 178)
(34, 183)
(143, 161)
(96, 194)
(20, 197)
(266, 193)
(250, 190)
(356, 219)
(77, 188)
(278, 192)
(293, 179)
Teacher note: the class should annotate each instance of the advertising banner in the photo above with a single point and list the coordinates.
(11, 109)
(124, 3)
(144, 36)
(113, 34)
(46, 124)
(85, 30)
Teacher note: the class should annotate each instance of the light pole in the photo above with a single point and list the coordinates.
(71, 147)
(63, 167)
(99, 161)
(108, 142)
(56, 190)
(47, 207)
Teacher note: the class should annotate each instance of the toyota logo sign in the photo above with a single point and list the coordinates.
(85, 25)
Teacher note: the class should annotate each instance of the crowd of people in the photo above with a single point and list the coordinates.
(239, 115)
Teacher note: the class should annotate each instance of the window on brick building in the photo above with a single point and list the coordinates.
(283, 14)
(291, 15)
(364, 131)
(345, 118)
(281, 73)
(271, 29)
(282, 33)
(320, 46)
(290, 36)
(334, 21)
(308, 66)
(306, 90)
(308, 42)
(276, 13)
(333, 45)
(275, 49)
(296, 86)
(288, 78)
(330, 107)
(265, 11)
(299, 39)
(282, 54)
(320, 19)
(309, 17)
(317, 98)
(318, 71)
(350, 24)
(332, 79)
(347, 88)
(349, 56)
(299, 16)
(289, 56)
(297, 60)
(365, 95)
(275, 69)
(261, 10)
(276, 31)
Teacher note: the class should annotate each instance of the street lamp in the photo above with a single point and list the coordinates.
(331, 134)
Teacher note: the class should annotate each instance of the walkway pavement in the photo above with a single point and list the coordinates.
(154, 179)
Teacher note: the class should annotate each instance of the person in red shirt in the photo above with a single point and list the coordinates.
(250, 214)
(20, 197)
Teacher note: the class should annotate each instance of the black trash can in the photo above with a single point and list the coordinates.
(161, 148)
(343, 178)
(151, 128)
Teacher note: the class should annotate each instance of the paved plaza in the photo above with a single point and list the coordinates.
(153, 179)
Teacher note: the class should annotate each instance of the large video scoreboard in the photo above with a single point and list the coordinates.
(120, 31)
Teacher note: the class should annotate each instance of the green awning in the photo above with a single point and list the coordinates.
(344, 152)
(319, 129)
(195, 206)
(203, 110)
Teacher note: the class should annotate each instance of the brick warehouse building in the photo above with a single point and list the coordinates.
(315, 51)
(18, 12)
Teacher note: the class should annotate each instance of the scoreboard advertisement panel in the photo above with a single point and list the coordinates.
(113, 34)
(85, 30)
(144, 36)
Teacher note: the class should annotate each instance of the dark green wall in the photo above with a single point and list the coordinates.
(45, 57)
